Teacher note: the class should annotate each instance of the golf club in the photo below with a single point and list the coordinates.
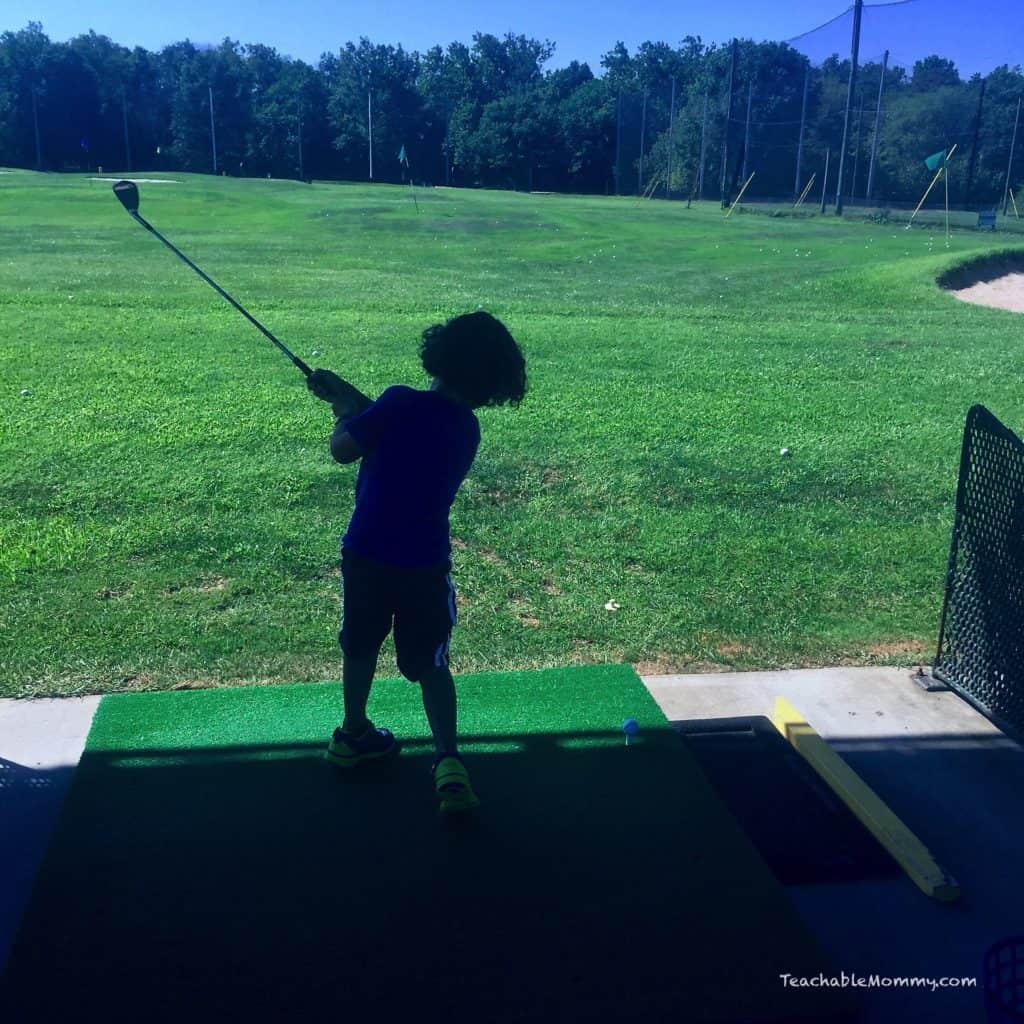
(128, 193)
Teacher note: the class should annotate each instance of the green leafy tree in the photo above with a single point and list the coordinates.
(385, 76)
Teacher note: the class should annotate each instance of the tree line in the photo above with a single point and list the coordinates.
(688, 120)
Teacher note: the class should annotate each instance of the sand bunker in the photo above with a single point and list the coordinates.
(996, 280)
(1004, 293)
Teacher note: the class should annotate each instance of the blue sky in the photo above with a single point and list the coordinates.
(977, 35)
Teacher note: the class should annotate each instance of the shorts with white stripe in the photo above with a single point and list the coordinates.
(419, 604)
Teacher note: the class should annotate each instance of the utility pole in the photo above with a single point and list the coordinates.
(974, 144)
(369, 121)
(803, 125)
(213, 130)
(746, 133)
(728, 120)
(1009, 166)
(878, 124)
(302, 172)
(643, 130)
(824, 180)
(671, 125)
(856, 152)
(851, 91)
(39, 150)
(618, 142)
(703, 149)
(127, 146)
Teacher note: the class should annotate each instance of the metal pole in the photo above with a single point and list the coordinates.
(643, 130)
(302, 172)
(856, 151)
(851, 90)
(213, 130)
(369, 120)
(671, 125)
(803, 125)
(1009, 166)
(878, 124)
(127, 145)
(703, 150)
(728, 119)
(824, 180)
(974, 144)
(746, 133)
(618, 142)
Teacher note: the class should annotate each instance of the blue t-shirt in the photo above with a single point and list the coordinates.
(419, 447)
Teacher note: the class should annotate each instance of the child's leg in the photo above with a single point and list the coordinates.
(440, 705)
(357, 679)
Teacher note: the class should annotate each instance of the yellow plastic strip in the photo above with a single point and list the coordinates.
(911, 854)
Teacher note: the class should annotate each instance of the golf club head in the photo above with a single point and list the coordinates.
(128, 193)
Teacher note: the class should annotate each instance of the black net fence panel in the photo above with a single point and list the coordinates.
(981, 639)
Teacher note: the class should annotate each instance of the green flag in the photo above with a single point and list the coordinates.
(402, 158)
(935, 161)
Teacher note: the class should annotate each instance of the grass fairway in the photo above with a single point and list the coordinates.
(169, 511)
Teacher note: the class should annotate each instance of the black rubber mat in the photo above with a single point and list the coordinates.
(803, 831)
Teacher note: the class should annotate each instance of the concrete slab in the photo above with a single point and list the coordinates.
(41, 742)
(952, 777)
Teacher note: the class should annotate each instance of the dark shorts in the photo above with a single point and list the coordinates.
(418, 603)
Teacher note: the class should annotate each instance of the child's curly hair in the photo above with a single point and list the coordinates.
(476, 356)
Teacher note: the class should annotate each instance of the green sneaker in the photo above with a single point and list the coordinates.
(451, 783)
(346, 750)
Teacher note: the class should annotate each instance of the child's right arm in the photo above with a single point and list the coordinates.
(346, 400)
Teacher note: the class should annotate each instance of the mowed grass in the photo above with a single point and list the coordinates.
(170, 514)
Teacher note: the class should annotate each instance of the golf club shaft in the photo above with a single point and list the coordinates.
(213, 284)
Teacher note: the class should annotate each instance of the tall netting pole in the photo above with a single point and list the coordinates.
(850, 92)
(728, 121)
(746, 131)
(1009, 166)
(878, 124)
(803, 126)
(703, 148)
(671, 126)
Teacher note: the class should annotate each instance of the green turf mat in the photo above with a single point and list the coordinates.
(209, 864)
